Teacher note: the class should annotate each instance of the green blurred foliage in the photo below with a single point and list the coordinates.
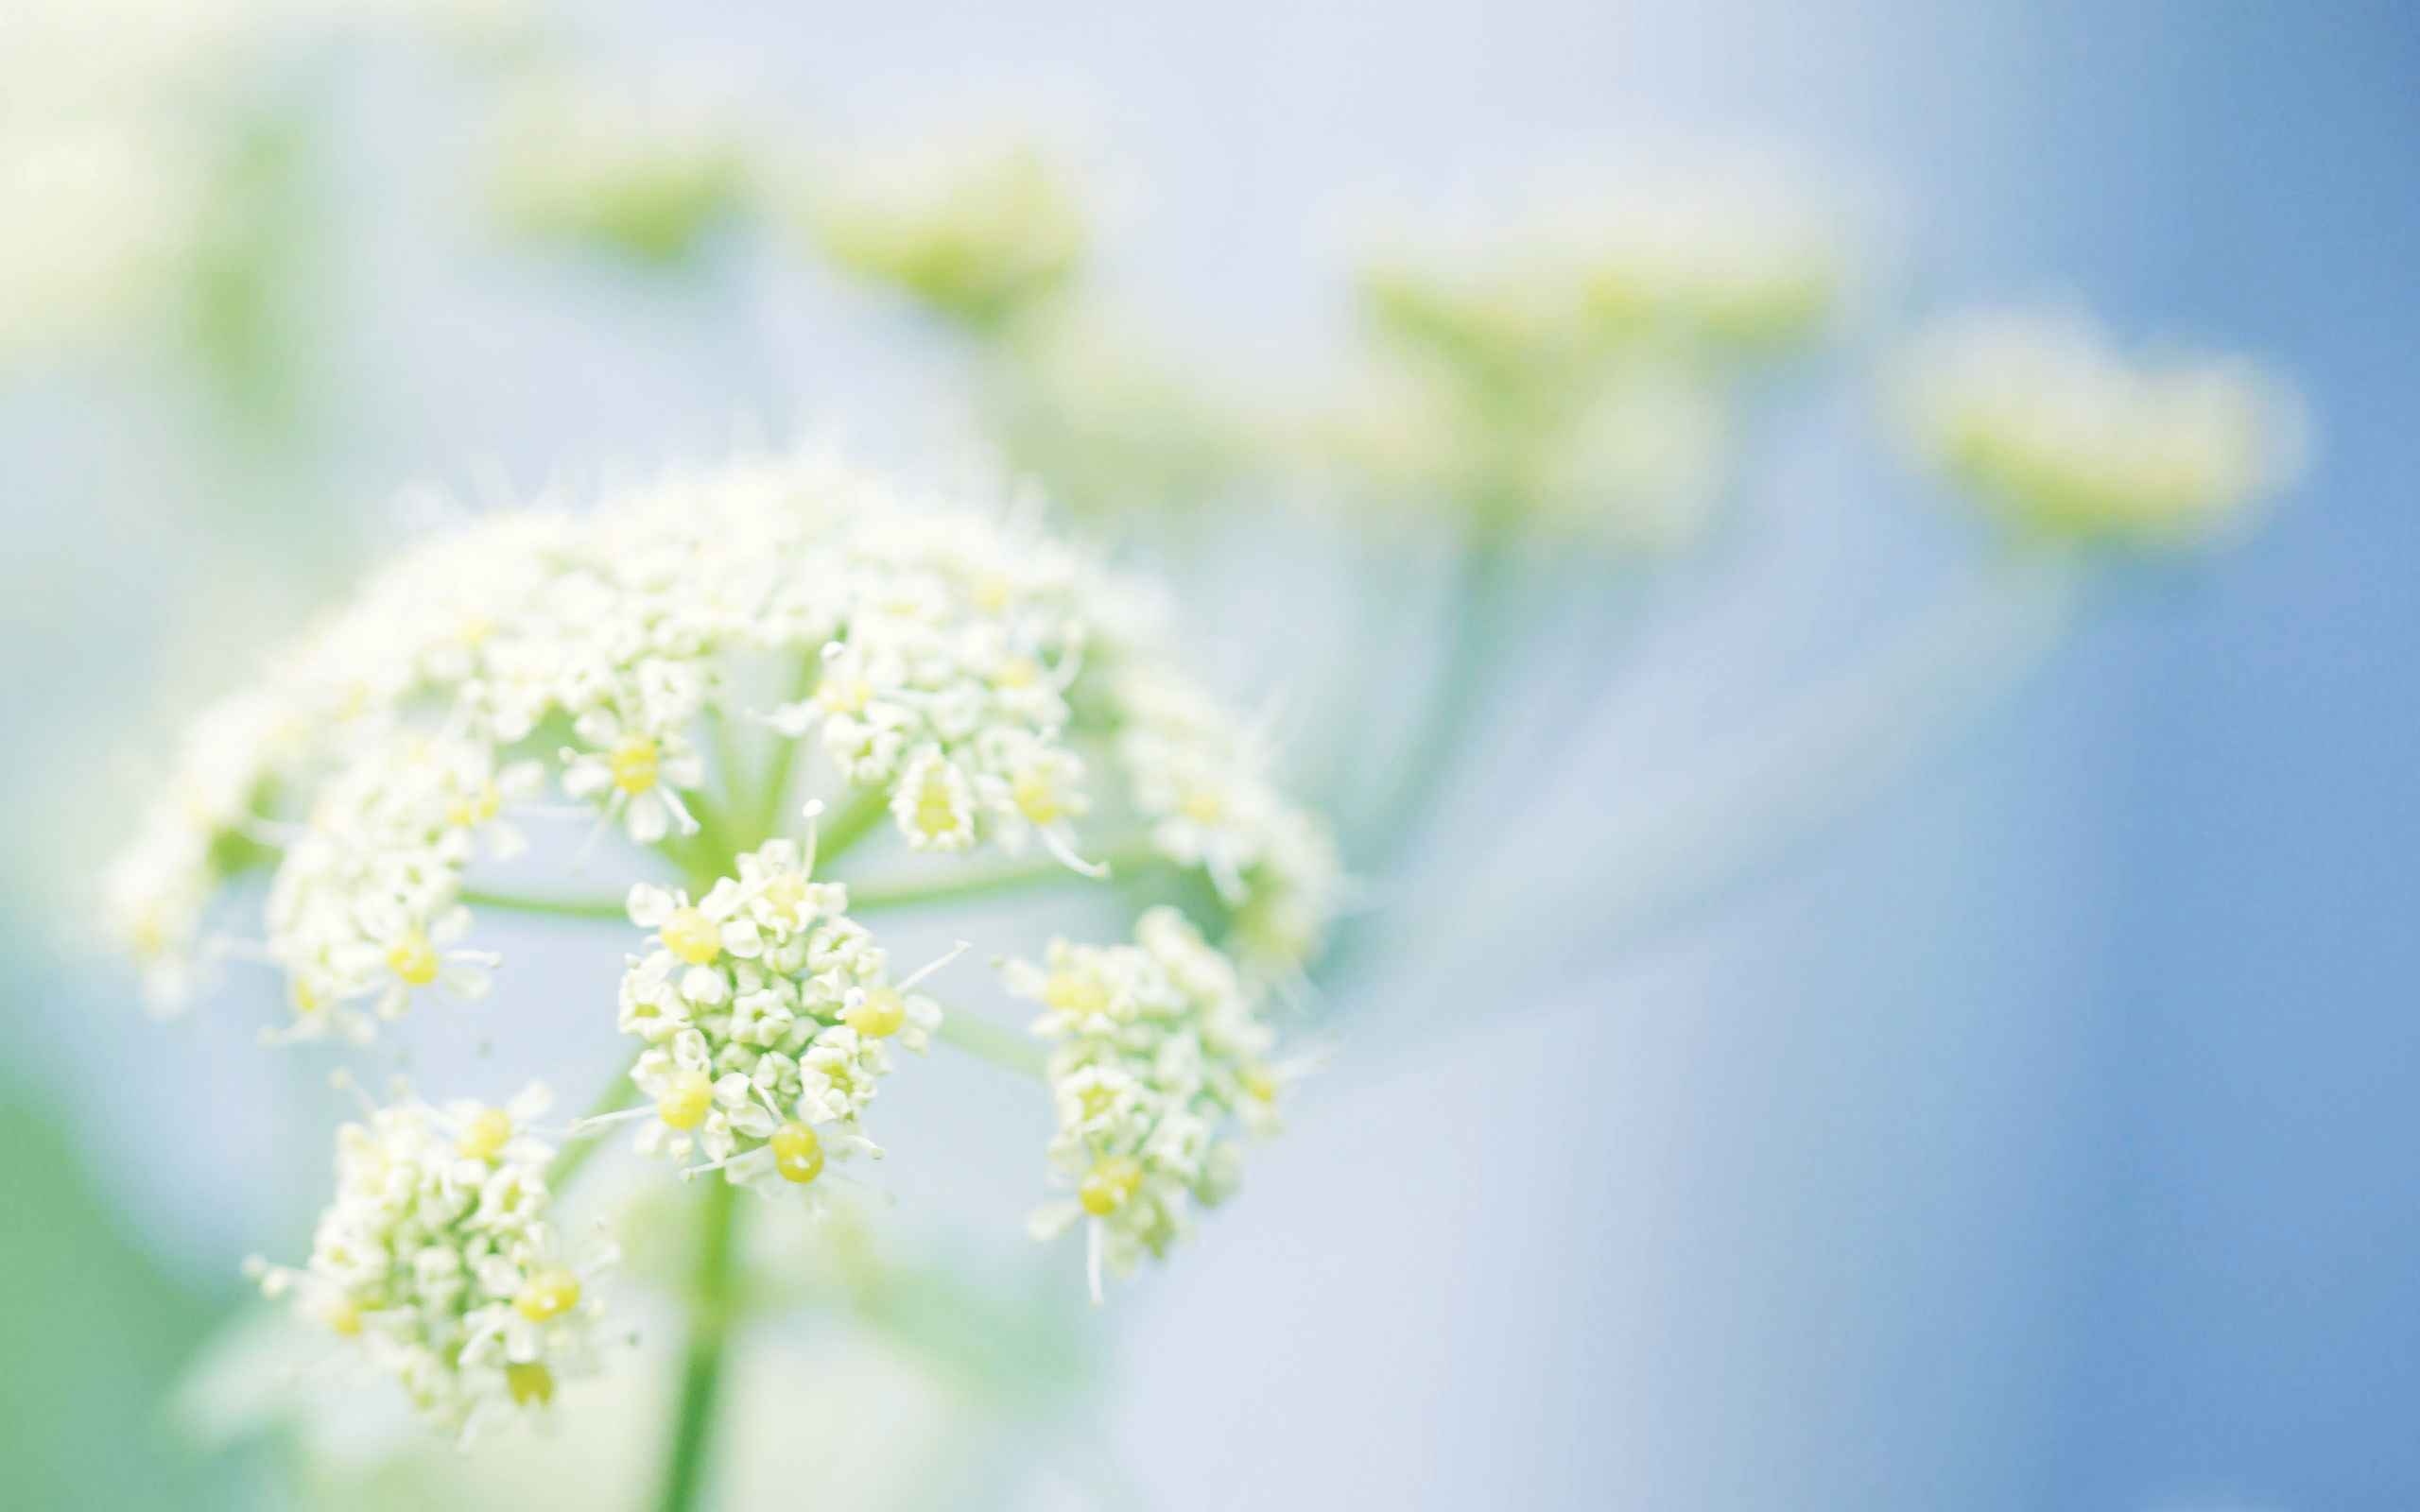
(95, 1332)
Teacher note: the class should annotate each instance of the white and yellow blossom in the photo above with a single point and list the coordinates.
(439, 1259)
(1159, 1057)
(767, 1016)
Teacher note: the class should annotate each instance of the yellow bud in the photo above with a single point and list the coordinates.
(690, 935)
(1070, 993)
(935, 810)
(1037, 799)
(529, 1384)
(844, 695)
(344, 1318)
(1260, 1083)
(1109, 1185)
(1096, 1099)
(685, 1103)
(883, 1014)
(549, 1294)
(413, 958)
(1018, 672)
(485, 1135)
(474, 807)
(633, 764)
(797, 1155)
(787, 891)
(991, 592)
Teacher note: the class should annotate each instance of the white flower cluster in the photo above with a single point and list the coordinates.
(439, 1256)
(2060, 435)
(364, 908)
(979, 229)
(959, 665)
(1572, 365)
(1203, 781)
(1716, 259)
(643, 167)
(767, 1015)
(1159, 1049)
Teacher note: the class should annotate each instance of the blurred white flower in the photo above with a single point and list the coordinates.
(2058, 434)
(643, 166)
(979, 229)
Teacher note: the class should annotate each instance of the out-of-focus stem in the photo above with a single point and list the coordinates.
(580, 1145)
(877, 894)
(986, 1040)
(1476, 605)
(1482, 580)
(1829, 751)
(854, 821)
(713, 1294)
(611, 908)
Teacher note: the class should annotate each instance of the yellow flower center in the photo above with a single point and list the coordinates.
(936, 809)
(344, 1319)
(690, 935)
(1108, 1186)
(797, 1155)
(1018, 672)
(838, 695)
(634, 763)
(1071, 994)
(474, 807)
(485, 1136)
(530, 1382)
(1202, 807)
(685, 1102)
(991, 592)
(1037, 797)
(549, 1294)
(882, 1014)
(1260, 1083)
(1096, 1100)
(413, 958)
(785, 889)
(475, 629)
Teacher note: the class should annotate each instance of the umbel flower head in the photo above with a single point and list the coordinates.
(964, 673)
(767, 1015)
(2058, 434)
(439, 1259)
(1160, 1054)
(671, 671)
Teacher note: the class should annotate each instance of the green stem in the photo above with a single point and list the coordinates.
(983, 882)
(851, 822)
(714, 1288)
(785, 762)
(613, 908)
(986, 1040)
